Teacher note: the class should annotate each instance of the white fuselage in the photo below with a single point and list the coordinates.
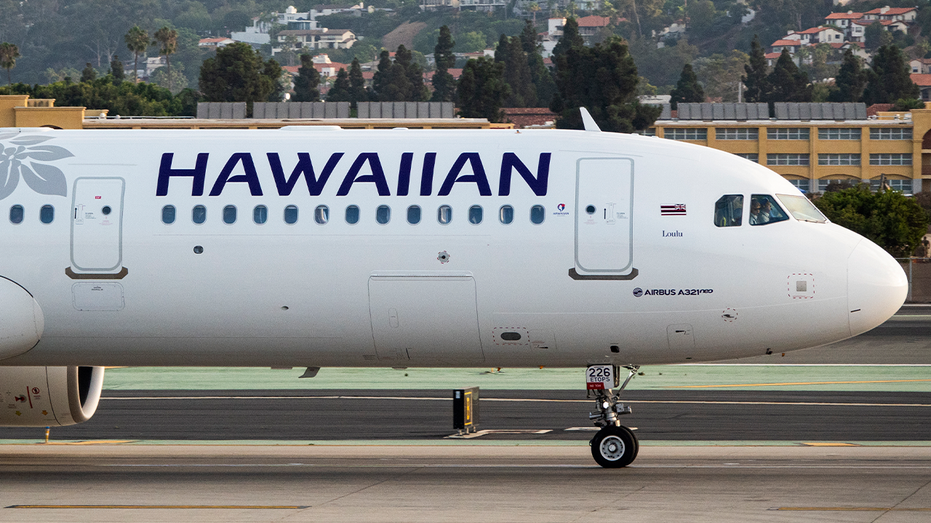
(606, 277)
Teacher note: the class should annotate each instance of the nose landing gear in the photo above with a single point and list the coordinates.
(614, 446)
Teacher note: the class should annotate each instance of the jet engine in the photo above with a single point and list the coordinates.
(48, 396)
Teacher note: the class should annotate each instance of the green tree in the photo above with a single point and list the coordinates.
(850, 80)
(604, 80)
(687, 89)
(401, 80)
(163, 77)
(540, 75)
(481, 90)
(340, 92)
(444, 85)
(238, 74)
(891, 220)
(787, 82)
(876, 36)
(137, 41)
(570, 38)
(413, 72)
(166, 39)
(720, 75)
(8, 55)
(116, 69)
(89, 74)
(889, 78)
(307, 83)
(357, 91)
(510, 52)
(756, 80)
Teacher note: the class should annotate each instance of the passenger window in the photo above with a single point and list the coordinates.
(444, 214)
(168, 214)
(728, 210)
(229, 214)
(47, 214)
(475, 214)
(260, 214)
(322, 214)
(382, 214)
(536, 214)
(506, 214)
(16, 214)
(764, 210)
(352, 214)
(413, 214)
(290, 214)
(199, 214)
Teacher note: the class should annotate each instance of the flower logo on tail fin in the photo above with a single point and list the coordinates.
(24, 157)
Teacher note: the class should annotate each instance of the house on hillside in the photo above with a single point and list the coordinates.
(892, 14)
(315, 39)
(212, 44)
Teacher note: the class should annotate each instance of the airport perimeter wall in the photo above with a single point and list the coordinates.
(918, 271)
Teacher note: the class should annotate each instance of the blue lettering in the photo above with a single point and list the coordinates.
(404, 174)
(478, 175)
(537, 183)
(377, 176)
(165, 172)
(249, 175)
(426, 176)
(303, 167)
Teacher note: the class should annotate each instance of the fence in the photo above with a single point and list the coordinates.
(365, 110)
(918, 271)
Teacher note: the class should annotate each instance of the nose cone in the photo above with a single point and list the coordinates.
(876, 287)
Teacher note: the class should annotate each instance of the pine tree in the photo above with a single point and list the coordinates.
(381, 79)
(116, 70)
(889, 78)
(481, 90)
(510, 52)
(787, 82)
(602, 79)
(357, 91)
(540, 75)
(88, 74)
(417, 90)
(570, 38)
(850, 80)
(340, 92)
(444, 85)
(307, 83)
(687, 89)
(756, 81)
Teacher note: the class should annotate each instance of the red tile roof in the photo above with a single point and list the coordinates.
(891, 11)
(843, 16)
(786, 43)
(593, 21)
(922, 80)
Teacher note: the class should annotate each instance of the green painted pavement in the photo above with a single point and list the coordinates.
(869, 378)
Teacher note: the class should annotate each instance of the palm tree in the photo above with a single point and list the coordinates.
(166, 39)
(137, 40)
(533, 8)
(8, 55)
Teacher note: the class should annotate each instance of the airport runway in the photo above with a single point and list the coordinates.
(811, 451)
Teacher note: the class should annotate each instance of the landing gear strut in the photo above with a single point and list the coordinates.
(614, 445)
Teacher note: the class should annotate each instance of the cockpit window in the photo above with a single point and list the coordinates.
(764, 210)
(801, 208)
(728, 210)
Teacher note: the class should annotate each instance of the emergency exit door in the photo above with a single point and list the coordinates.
(604, 216)
(97, 225)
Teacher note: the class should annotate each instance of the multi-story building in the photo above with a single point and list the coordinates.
(814, 145)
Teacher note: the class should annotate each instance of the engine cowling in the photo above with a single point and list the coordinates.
(48, 396)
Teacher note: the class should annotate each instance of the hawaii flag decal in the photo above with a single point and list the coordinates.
(672, 209)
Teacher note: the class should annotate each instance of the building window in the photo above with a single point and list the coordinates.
(199, 214)
(895, 133)
(891, 159)
(168, 214)
(839, 133)
(648, 132)
(788, 133)
(728, 210)
(352, 214)
(823, 184)
(290, 214)
(838, 159)
(753, 157)
(737, 134)
(803, 185)
(260, 214)
(413, 214)
(686, 133)
(786, 159)
(903, 186)
(229, 214)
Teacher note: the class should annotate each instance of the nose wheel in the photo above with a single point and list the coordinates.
(615, 445)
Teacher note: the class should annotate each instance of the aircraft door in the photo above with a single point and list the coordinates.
(604, 217)
(97, 225)
(421, 318)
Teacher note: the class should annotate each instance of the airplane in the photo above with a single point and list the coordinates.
(318, 246)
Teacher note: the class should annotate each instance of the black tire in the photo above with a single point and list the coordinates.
(614, 447)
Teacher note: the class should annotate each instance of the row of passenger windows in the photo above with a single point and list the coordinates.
(352, 215)
(18, 214)
(785, 133)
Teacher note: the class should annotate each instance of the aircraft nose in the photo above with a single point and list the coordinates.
(876, 287)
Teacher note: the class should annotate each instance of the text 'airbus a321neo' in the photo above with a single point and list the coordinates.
(401, 248)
